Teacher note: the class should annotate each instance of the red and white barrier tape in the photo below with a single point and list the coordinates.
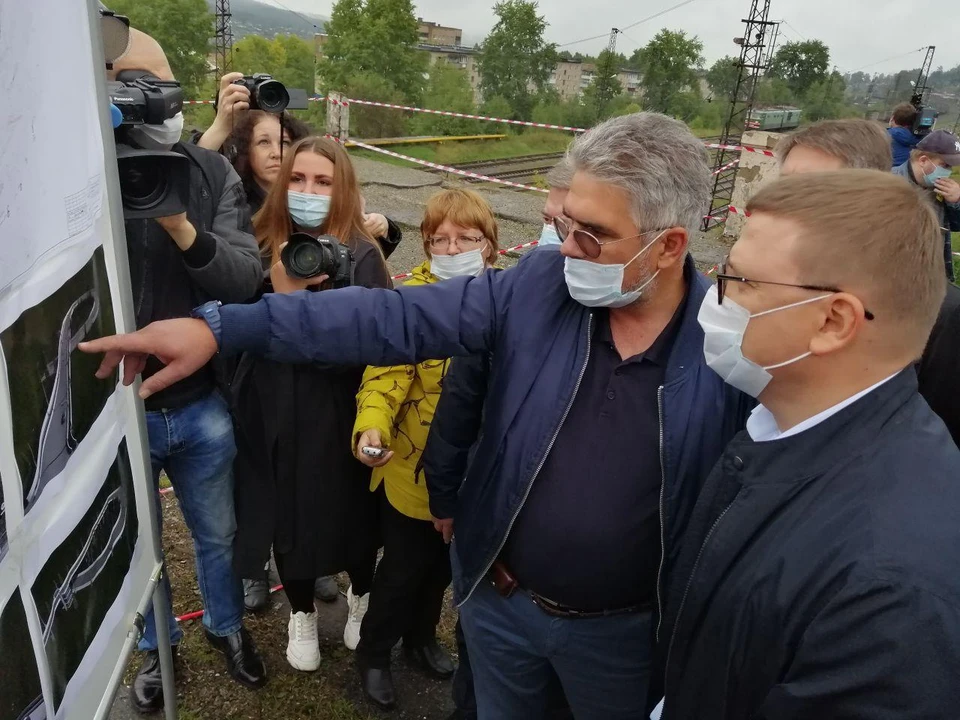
(740, 148)
(728, 166)
(447, 113)
(446, 168)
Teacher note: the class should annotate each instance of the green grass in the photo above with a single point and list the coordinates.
(529, 143)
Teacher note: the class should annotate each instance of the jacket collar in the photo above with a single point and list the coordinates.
(687, 349)
(848, 433)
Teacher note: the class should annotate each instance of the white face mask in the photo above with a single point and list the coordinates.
(596, 285)
(549, 236)
(307, 210)
(723, 329)
(466, 263)
(158, 137)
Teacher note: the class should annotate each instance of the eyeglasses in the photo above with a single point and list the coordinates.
(463, 243)
(723, 278)
(587, 241)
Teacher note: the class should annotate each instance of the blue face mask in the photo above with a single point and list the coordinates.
(549, 236)
(930, 179)
(308, 211)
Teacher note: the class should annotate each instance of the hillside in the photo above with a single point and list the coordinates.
(256, 18)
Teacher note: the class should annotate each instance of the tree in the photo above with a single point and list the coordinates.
(801, 64)
(287, 58)
(515, 60)
(377, 38)
(722, 78)
(447, 89)
(606, 83)
(669, 64)
(824, 99)
(183, 28)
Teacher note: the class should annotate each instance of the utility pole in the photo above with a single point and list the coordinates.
(612, 42)
(773, 45)
(751, 66)
(602, 83)
(223, 39)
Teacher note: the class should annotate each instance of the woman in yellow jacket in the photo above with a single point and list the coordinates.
(394, 408)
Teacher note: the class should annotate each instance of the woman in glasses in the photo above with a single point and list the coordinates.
(395, 406)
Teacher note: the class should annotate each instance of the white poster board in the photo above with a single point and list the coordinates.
(78, 546)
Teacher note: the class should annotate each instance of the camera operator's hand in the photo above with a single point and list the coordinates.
(283, 283)
(182, 231)
(376, 225)
(371, 438)
(232, 102)
(949, 188)
(444, 527)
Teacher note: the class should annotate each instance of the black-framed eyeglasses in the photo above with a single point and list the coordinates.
(723, 278)
(586, 240)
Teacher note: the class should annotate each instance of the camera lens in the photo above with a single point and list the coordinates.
(144, 184)
(272, 96)
(306, 257)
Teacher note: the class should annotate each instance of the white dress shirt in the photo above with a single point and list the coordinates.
(762, 426)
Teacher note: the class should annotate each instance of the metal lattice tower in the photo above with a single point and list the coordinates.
(920, 88)
(612, 42)
(223, 38)
(751, 65)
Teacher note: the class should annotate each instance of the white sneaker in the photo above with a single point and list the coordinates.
(303, 647)
(356, 609)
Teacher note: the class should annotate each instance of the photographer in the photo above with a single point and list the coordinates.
(206, 253)
(299, 488)
(251, 139)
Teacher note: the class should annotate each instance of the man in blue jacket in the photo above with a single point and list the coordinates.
(601, 419)
(902, 139)
(818, 576)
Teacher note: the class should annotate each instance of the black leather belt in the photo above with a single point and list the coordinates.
(560, 610)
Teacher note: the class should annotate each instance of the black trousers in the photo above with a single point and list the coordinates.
(407, 595)
(299, 591)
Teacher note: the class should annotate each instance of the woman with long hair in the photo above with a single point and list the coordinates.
(395, 406)
(298, 487)
(255, 141)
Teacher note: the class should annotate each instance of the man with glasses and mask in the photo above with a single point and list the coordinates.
(818, 574)
(601, 418)
(930, 165)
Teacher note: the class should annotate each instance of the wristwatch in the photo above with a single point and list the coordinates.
(210, 313)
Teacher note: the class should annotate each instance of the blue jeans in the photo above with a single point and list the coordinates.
(604, 664)
(195, 445)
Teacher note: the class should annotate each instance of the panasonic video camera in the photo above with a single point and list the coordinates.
(153, 183)
(266, 93)
(306, 257)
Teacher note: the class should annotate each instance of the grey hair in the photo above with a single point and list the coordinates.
(561, 175)
(656, 159)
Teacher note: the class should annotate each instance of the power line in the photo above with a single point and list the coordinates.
(894, 57)
(627, 27)
(802, 37)
(294, 12)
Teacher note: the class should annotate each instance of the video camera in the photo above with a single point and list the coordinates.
(152, 183)
(266, 93)
(306, 257)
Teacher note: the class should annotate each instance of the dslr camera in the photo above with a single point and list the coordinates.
(306, 257)
(152, 183)
(266, 93)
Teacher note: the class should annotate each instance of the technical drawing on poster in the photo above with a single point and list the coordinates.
(54, 396)
(21, 697)
(83, 576)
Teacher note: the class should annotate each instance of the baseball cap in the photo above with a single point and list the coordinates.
(943, 143)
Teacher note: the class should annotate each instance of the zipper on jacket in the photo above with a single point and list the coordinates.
(543, 460)
(683, 600)
(663, 517)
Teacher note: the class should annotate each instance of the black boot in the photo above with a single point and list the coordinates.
(431, 659)
(243, 661)
(378, 686)
(146, 694)
(256, 594)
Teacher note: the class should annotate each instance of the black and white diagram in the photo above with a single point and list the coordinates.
(21, 697)
(83, 576)
(54, 396)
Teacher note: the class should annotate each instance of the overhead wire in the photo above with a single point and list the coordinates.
(631, 25)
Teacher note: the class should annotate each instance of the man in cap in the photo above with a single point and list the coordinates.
(929, 166)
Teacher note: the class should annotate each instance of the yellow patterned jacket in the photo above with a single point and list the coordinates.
(400, 402)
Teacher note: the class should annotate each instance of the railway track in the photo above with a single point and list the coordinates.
(522, 169)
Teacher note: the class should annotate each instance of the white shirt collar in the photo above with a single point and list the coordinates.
(762, 427)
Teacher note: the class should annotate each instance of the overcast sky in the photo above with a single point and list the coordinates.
(861, 34)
